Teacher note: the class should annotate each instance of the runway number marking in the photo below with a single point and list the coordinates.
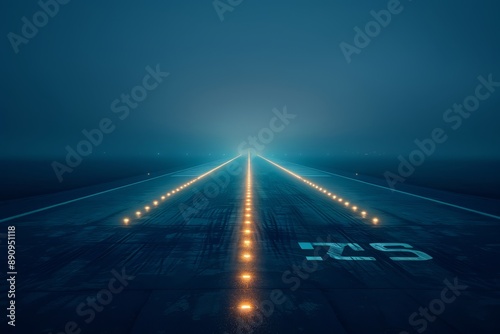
(336, 250)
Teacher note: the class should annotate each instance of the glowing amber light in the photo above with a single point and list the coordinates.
(375, 220)
(346, 203)
(247, 256)
(247, 222)
(245, 307)
(163, 197)
(126, 220)
(363, 213)
(247, 231)
(138, 213)
(146, 208)
(246, 276)
(155, 203)
(354, 208)
(247, 242)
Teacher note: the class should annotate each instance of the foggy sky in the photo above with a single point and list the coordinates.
(225, 77)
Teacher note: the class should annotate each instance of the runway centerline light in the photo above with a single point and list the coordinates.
(245, 307)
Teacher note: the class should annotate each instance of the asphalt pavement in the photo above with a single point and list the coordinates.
(263, 247)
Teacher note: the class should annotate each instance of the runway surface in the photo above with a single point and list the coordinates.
(258, 246)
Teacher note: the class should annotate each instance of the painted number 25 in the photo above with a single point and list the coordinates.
(336, 250)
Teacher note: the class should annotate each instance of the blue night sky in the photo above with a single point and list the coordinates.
(225, 77)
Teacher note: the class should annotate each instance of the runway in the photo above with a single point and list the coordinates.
(255, 245)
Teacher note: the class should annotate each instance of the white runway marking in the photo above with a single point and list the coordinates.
(409, 194)
(88, 196)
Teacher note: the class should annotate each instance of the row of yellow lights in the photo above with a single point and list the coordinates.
(246, 244)
(325, 191)
(172, 192)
